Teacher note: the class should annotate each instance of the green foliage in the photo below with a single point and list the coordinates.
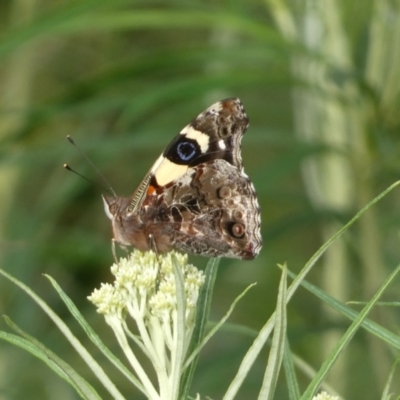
(320, 83)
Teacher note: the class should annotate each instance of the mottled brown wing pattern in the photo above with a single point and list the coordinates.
(213, 211)
(196, 198)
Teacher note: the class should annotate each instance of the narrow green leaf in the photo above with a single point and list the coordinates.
(290, 373)
(80, 349)
(278, 343)
(202, 316)
(317, 255)
(177, 355)
(237, 328)
(371, 326)
(345, 340)
(259, 342)
(217, 326)
(59, 366)
(93, 335)
(308, 370)
(35, 351)
(378, 304)
(249, 358)
(386, 391)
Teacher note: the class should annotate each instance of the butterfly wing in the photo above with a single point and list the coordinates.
(217, 214)
(198, 194)
(196, 198)
(216, 133)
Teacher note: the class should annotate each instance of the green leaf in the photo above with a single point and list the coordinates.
(278, 343)
(290, 373)
(317, 255)
(202, 316)
(345, 340)
(59, 366)
(80, 349)
(217, 326)
(263, 336)
(371, 326)
(93, 335)
(177, 353)
(386, 391)
(249, 359)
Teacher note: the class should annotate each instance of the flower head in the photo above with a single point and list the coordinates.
(108, 300)
(145, 289)
(325, 396)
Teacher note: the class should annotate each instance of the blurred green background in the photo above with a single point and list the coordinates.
(320, 82)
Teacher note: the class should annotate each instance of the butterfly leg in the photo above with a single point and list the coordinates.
(113, 250)
(153, 245)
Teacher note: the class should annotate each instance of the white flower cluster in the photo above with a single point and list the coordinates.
(145, 285)
(145, 289)
(325, 396)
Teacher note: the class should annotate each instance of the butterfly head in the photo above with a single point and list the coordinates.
(113, 206)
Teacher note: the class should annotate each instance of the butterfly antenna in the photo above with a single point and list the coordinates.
(66, 166)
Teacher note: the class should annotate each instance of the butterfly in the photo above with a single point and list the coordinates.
(196, 198)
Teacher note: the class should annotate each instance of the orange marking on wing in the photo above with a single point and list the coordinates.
(151, 190)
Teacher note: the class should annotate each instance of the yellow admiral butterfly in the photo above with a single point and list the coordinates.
(196, 198)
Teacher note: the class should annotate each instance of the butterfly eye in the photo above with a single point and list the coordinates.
(186, 151)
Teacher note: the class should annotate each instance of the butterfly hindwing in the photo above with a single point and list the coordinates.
(215, 215)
